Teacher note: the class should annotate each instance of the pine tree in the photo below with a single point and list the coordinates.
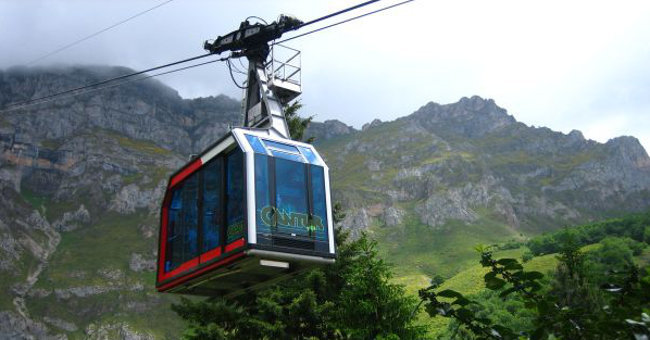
(352, 298)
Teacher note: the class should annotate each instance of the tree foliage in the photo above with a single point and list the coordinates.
(596, 295)
(635, 227)
(297, 125)
(576, 302)
(351, 299)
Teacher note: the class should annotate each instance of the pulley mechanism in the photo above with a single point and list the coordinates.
(264, 98)
(252, 39)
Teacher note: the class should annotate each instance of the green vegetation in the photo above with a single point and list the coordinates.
(352, 298)
(416, 248)
(50, 208)
(97, 257)
(4, 123)
(35, 200)
(108, 243)
(52, 144)
(145, 146)
(498, 294)
(297, 125)
(358, 297)
(499, 306)
(18, 274)
(635, 227)
(597, 293)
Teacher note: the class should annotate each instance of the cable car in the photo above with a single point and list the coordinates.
(255, 207)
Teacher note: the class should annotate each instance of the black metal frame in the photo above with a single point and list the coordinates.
(221, 158)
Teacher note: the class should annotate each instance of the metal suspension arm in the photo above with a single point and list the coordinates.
(251, 36)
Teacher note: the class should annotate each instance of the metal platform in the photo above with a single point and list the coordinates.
(284, 72)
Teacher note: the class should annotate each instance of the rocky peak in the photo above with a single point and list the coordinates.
(328, 129)
(24, 83)
(476, 103)
(469, 117)
(576, 135)
(144, 110)
(375, 122)
(629, 151)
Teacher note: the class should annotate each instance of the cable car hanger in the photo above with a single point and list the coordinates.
(255, 207)
(262, 104)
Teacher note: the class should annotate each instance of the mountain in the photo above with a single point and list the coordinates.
(81, 180)
(433, 184)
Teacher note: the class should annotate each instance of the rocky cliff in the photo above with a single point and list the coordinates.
(469, 168)
(81, 180)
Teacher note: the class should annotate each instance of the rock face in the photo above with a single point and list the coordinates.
(327, 130)
(470, 161)
(81, 180)
(145, 110)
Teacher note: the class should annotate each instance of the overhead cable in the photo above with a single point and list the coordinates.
(75, 94)
(97, 33)
(337, 13)
(230, 66)
(78, 90)
(343, 22)
(107, 81)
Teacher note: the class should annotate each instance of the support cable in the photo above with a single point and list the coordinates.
(343, 22)
(237, 69)
(337, 13)
(97, 33)
(10, 105)
(70, 95)
(233, 77)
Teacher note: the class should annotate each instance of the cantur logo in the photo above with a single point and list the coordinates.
(273, 217)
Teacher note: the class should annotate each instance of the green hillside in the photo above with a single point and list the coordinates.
(81, 184)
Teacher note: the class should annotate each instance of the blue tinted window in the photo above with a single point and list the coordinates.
(311, 157)
(318, 223)
(211, 205)
(182, 224)
(289, 156)
(174, 255)
(256, 144)
(235, 196)
(291, 197)
(281, 146)
(262, 195)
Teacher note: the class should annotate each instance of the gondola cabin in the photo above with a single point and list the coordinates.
(250, 210)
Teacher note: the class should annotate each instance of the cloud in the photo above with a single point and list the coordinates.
(566, 65)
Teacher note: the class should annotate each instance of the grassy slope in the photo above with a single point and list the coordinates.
(413, 247)
(83, 255)
(81, 259)
(107, 246)
(417, 251)
(416, 248)
(470, 280)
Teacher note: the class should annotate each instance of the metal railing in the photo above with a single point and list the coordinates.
(284, 64)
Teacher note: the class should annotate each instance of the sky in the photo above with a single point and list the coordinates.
(566, 65)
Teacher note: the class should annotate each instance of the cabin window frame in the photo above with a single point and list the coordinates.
(270, 191)
(223, 248)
